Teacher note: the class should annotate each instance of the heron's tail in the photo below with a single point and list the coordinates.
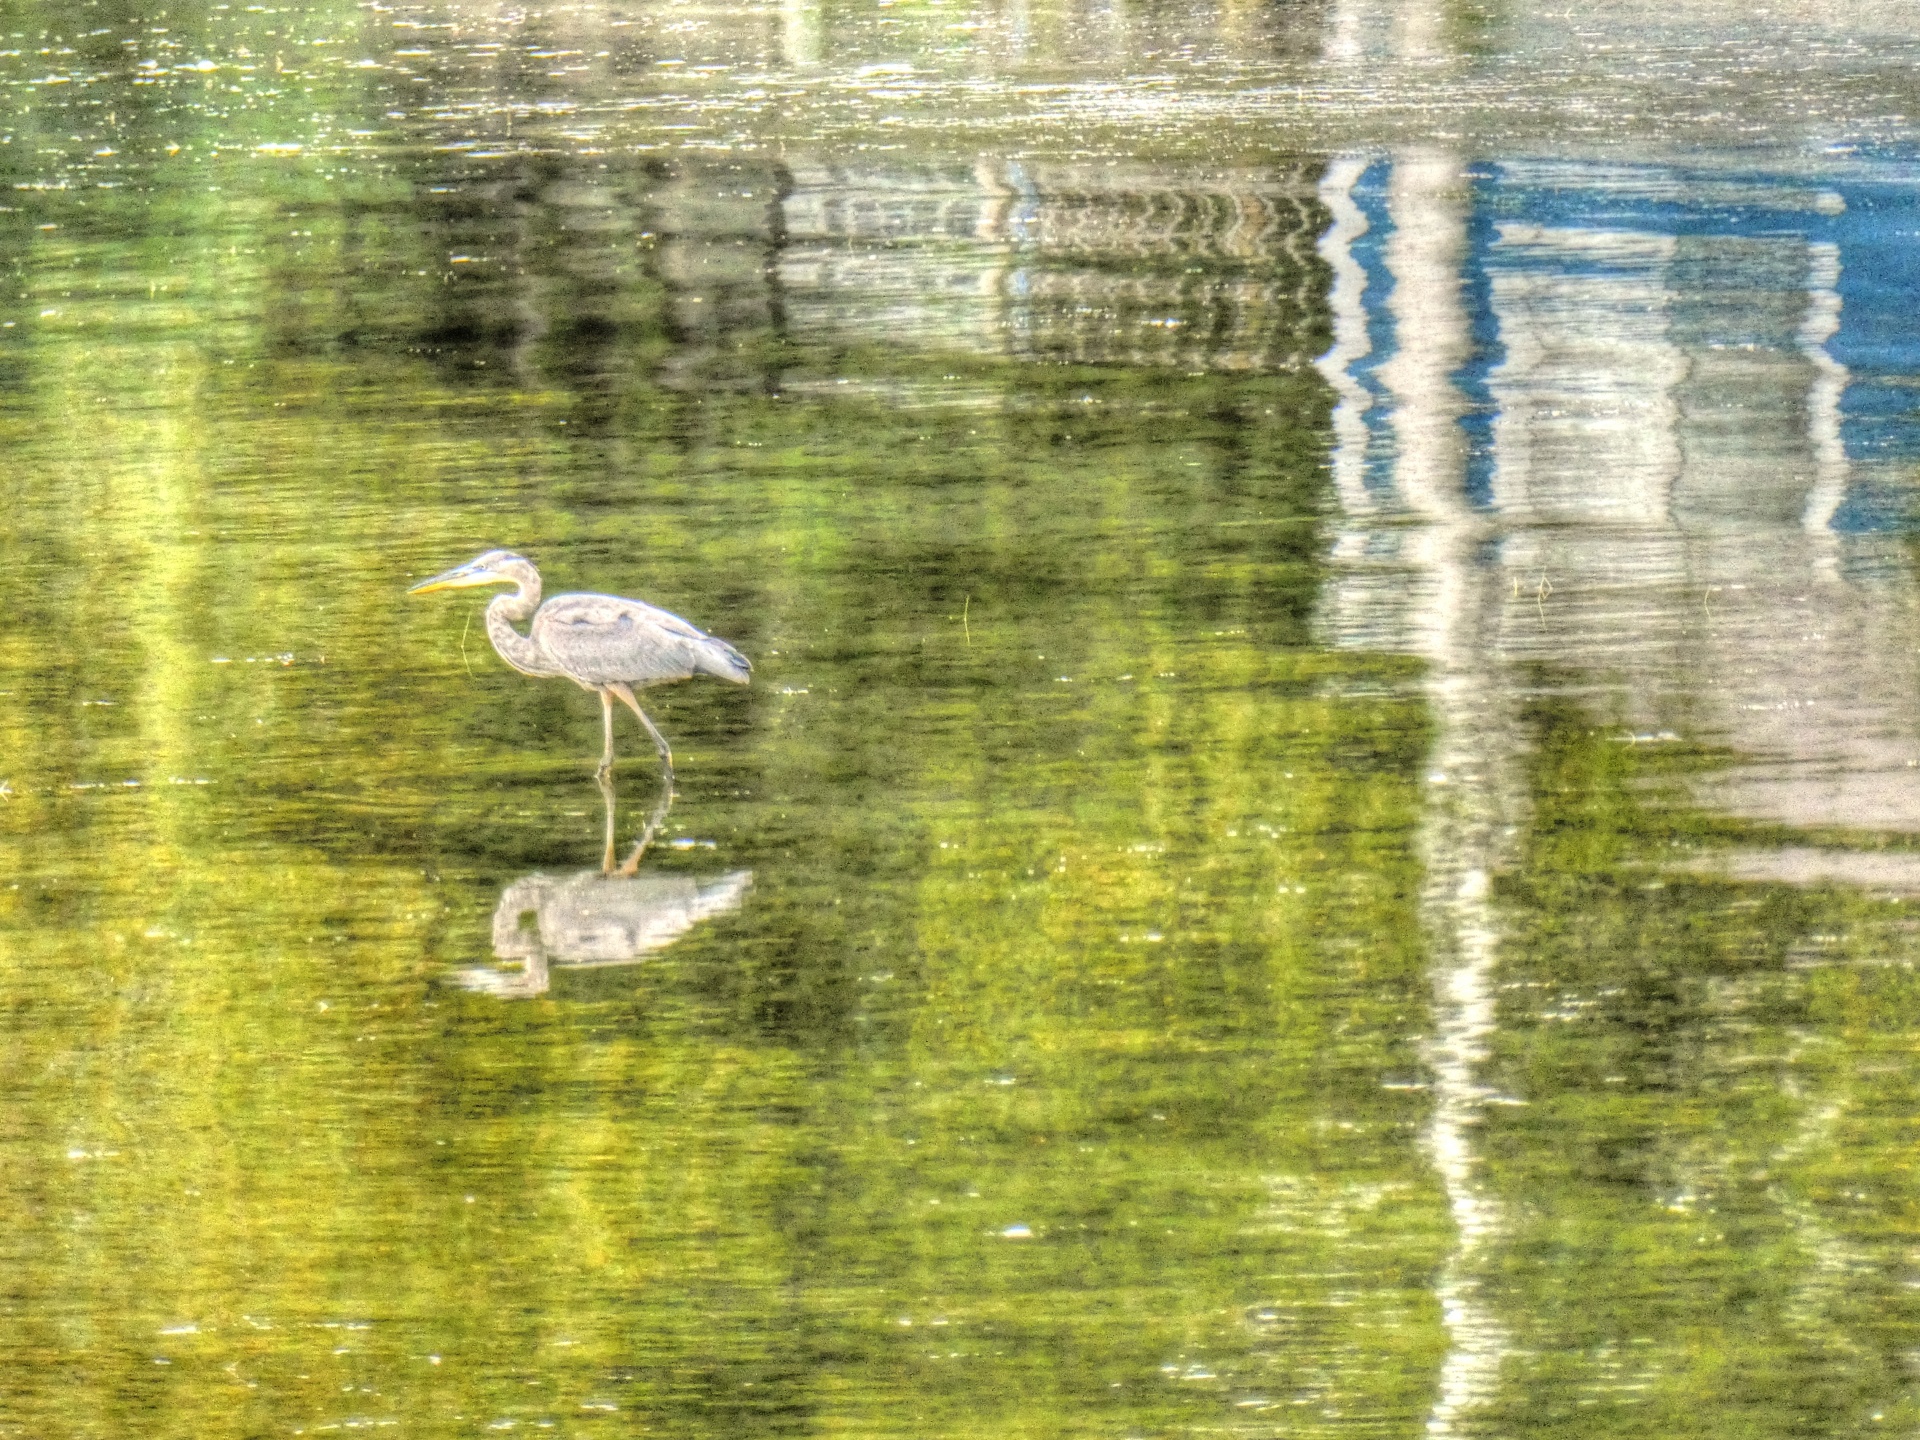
(719, 658)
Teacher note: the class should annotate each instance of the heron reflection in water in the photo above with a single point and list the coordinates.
(590, 919)
(603, 643)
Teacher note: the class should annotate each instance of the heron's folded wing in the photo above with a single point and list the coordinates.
(603, 638)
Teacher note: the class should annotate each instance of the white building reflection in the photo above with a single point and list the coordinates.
(1414, 581)
(1596, 434)
(1660, 463)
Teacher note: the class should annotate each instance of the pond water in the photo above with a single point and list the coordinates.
(1324, 834)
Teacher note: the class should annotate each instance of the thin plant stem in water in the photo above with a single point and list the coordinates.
(463, 642)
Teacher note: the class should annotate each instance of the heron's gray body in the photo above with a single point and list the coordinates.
(600, 638)
(597, 640)
(604, 643)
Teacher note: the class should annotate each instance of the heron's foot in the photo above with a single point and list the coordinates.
(631, 865)
(654, 822)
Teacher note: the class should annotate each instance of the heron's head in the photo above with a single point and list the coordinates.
(496, 567)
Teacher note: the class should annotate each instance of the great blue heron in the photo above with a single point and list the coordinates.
(602, 643)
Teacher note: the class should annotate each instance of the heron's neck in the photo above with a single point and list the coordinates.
(524, 599)
(516, 649)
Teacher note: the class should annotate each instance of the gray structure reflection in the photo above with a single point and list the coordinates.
(1211, 269)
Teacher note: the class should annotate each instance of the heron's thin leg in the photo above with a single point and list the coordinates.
(606, 793)
(660, 808)
(659, 740)
(665, 803)
(606, 716)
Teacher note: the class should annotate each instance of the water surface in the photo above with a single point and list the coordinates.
(1321, 839)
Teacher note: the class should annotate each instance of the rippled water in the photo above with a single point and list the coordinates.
(1321, 841)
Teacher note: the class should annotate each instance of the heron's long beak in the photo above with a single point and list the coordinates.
(458, 578)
